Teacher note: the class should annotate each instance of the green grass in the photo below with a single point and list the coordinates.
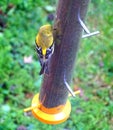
(19, 22)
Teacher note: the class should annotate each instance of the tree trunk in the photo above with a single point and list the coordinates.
(53, 91)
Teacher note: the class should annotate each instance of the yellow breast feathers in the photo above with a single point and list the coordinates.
(44, 38)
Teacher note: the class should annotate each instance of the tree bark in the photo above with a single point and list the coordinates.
(53, 91)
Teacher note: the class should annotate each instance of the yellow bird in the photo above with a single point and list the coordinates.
(44, 46)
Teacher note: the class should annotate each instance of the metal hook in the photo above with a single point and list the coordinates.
(88, 33)
(68, 87)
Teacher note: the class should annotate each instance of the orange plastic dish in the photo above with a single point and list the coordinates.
(48, 117)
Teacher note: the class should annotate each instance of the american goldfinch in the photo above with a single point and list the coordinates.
(44, 46)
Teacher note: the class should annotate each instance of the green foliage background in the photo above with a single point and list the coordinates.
(19, 23)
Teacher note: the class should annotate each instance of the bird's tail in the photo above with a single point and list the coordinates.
(44, 69)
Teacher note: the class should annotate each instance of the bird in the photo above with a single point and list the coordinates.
(44, 47)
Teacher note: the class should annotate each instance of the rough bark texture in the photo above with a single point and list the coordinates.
(53, 91)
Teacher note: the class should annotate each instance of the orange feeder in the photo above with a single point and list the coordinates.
(54, 115)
